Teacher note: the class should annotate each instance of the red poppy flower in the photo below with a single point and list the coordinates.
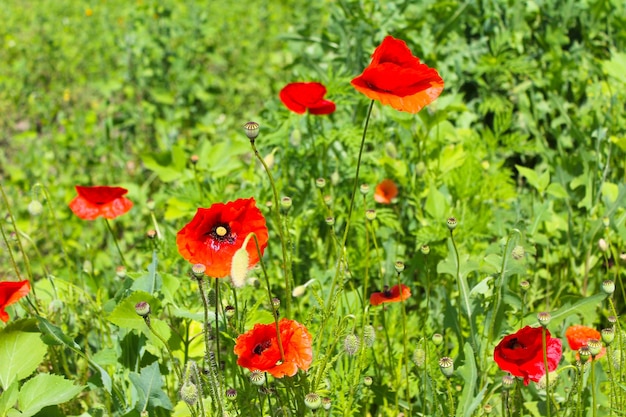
(521, 353)
(385, 191)
(300, 97)
(397, 78)
(258, 350)
(390, 295)
(578, 336)
(93, 202)
(10, 292)
(214, 235)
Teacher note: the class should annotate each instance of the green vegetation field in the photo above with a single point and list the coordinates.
(446, 290)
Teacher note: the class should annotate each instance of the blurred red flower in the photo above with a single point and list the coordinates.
(214, 235)
(397, 78)
(521, 353)
(258, 349)
(100, 201)
(578, 336)
(300, 97)
(385, 191)
(10, 292)
(394, 294)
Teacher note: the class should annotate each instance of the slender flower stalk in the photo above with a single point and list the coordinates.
(544, 347)
(115, 241)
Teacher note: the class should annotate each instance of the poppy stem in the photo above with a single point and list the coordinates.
(544, 347)
(281, 231)
(115, 241)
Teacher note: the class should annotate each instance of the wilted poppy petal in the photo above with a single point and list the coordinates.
(11, 292)
(393, 295)
(300, 96)
(100, 201)
(397, 78)
(214, 235)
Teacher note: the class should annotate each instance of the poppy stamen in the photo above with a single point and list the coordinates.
(259, 348)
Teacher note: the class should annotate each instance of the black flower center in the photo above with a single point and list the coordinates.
(222, 233)
(387, 292)
(515, 344)
(259, 348)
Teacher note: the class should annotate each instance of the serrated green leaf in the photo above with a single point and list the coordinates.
(44, 390)
(148, 384)
(8, 399)
(20, 354)
(53, 335)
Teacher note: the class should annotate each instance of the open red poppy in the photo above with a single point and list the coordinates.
(385, 191)
(100, 201)
(10, 292)
(390, 295)
(578, 336)
(300, 97)
(214, 235)
(258, 349)
(397, 78)
(521, 353)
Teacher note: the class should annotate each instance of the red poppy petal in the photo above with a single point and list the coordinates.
(322, 107)
(300, 96)
(11, 292)
(100, 201)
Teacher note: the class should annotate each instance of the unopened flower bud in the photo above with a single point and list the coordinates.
(150, 204)
(142, 309)
(197, 270)
(364, 189)
(399, 265)
(595, 346)
(239, 267)
(120, 272)
(35, 208)
(518, 252)
(252, 130)
(437, 339)
(608, 286)
(257, 378)
(446, 365)
(544, 318)
(487, 408)
(194, 159)
(551, 378)
(328, 199)
(275, 303)
(320, 183)
(452, 223)
(229, 311)
(425, 249)
(313, 401)
(55, 306)
(603, 245)
(151, 234)
(369, 335)
(370, 214)
(189, 393)
(419, 357)
(368, 381)
(608, 335)
(351, 344)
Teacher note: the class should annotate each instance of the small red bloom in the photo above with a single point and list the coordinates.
(397, 78)
(93, 202)
(258, 349)
(521, 353)
(390, 295)
(578, 336)
(300, 97)
(214, 235)
(385, 191)
(10, 292)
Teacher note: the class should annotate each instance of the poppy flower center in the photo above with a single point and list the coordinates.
(387, 292)
(222, 233)
(260, 347)
(514, 344)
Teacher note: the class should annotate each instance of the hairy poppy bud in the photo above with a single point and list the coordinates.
(369, 335)
(419, 357)
(351, 344)
(518, 252)
(239, 266)
(35, 208)
(189, 393)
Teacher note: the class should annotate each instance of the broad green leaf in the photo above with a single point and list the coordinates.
(436, 205)
(610, 191)
(151, 281)
(53, 335)
(8, 399)
(557, 190)
(469, 373)
(20, 354)
(530, 175)
(124, 315)
(148, 384)
(44, 390)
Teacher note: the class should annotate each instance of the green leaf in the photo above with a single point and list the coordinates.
(150, 282)
(124, 315)
(20, 354)
(148, 384)
(53, 335)
(557, 190)
(8, 399)
(436, 204)
(469, 373)
(44, 390)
